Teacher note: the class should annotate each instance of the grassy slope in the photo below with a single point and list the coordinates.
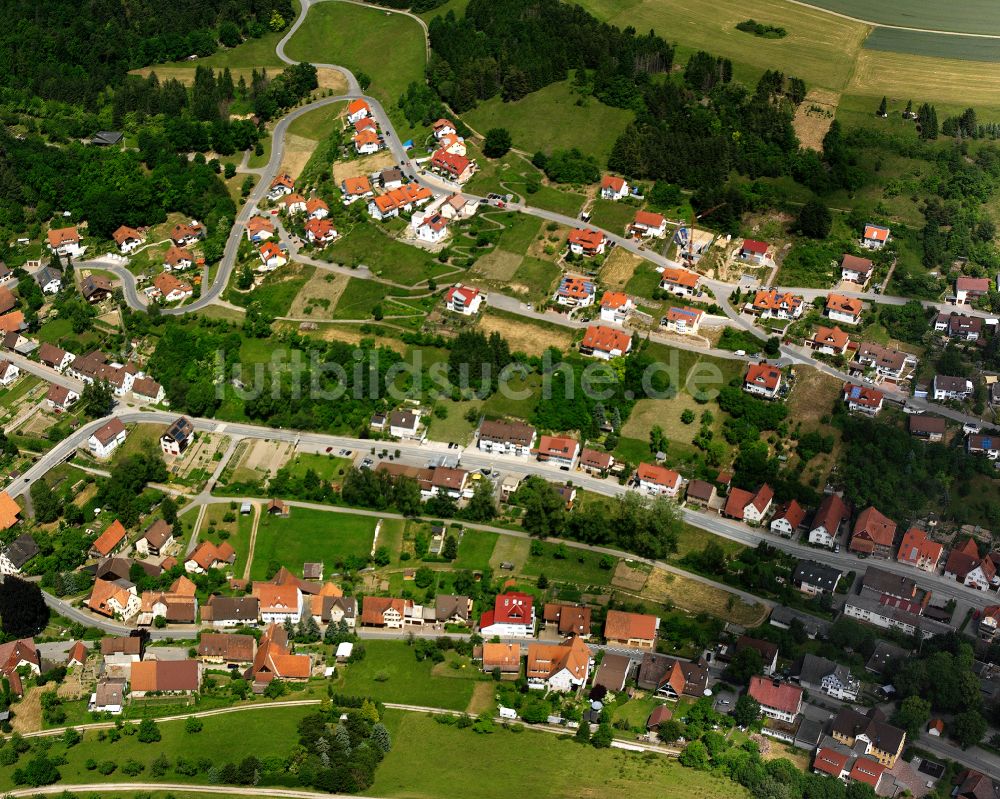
(318, 124)
(388, 47)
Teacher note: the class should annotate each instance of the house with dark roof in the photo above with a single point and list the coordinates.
(820, 674)
(230, 611)
(768, 652)
(670, 677)
(814, 578)
(880, 582)
(228, 649)
(15, 555)
(930, 428)
(883, 742)
(972, 784)
(506, 438)
(567, 619)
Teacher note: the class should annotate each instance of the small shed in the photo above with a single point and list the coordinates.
(246, 509)
(660, 714)
(344, 650)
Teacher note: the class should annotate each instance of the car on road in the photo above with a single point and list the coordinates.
(329, 449)
(836, 547)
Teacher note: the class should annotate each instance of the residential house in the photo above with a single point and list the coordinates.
(512, 616)
(981, 444)
(683, 320)
(748, 506)
(320, 231)
(386, 612)
(819, 674)
(366, 142)
(700, 493)
(114, 599)
(49, 280)
(271, 256)
(110, 541)
(404, 424)
(616, 306)
(165, 677)
(210, 556)
(431, 228)
(880, 583)
(506, 438)
(106, 439)
(657, 480)
(679, 281)
(931, 428)
(444, 127)
(11, 324)
(587, 242)
(649, 225)
(401, 200)
(173, 606)
(873, 534)
(186, 235)
(8, 373)
(614, 188)
(778, 700)
(227, 649)
(65, 241)
(177, 437)
(772, 304)
(875, 237)
(814, 578)
(458, 168)
(631, 630)
(754, 252)
(15, 555)
(455, 206)
(886, 658)
(594, 462)
(451, 609)
(108, 696)
(279, 603)
(145, 389)
(965, 565)
(856, 270)
(328, 609)
(294, 204)
(356, 188)
(788, 519)
(177, 259)
(559, 667)
(60, 398)
(317, 208)
(156, 540)
(671, 678)
(605, 342)
(972, 784)
(17, 658)
(846, 310)
(888, 363)
(989, 624)
(171, 289)
(830, 341)
(464, 300)
(917, 549)
(613, 672)
(122, 650)
(767, 650)
(567, 619)
(575, 292)
(956, 325)
(892, 614)
(96, 288)
(259, 229)
(357, 109)
(968, 289)
(762, 380)
(946, 388)
(560, 450)
(54, 357)
(228, 611)
(502, 658)
(128, 239)
(862, 399)
(280, 186)
(883, 742)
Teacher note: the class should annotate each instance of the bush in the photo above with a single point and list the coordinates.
(148, 731)
(107, 767)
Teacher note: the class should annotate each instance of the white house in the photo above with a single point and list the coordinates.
(294, 204)
(787, 520)
(649, 224)
(280, 186)
(616, 306)
(271, 257)
(763, 380)
(560, 667)
(279, 603)
(657, 480)
(587, 242)
(826, 523)
(512, 616)
(404, 424)
(432, 228)
(506, 438)
(463, 299)
(778, 700)
(683, 320)
(107, 439)
(49, 280)
(357, 110)
(444, 127)
(128, 239)
(613, 188)
(367, 142)
(844, 309)
(65, 241)
(605, 342)
(856, 270)
(951, 388)
(984, 445)
(8, 373)
(875, 237)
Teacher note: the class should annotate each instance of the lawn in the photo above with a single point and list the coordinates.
(611, 215)
(538, 276)
(520, 402)
(519, 232)
(644, 281)
(454, 427)
(310, 535)
(359, 299)
(534, 764)
(389, 48)
(384, 256)
(236, 532)
(276, 294)
(577, 566)
(329, 467)
(475, 550)
(318, 124)
(391, 672)
(550, 119)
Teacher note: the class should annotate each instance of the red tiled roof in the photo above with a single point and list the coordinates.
(854, 264)
(774, 694)
(848, 305)
(863, 395)
(831, 337)
(680, 277)
(622, 626)
(109, 540)
(558, 446)
(763, 374)
(876, 232)
(63, 236)
(651, 473)
(880, 529)
(614, 299)
(357, 185)
(606, 339)
(736, 502)
(586, 238)
(867, 771)
(648, 219)
(916, 546)
(357, 105)
(754, 246)
(612, 182)
(793, 512)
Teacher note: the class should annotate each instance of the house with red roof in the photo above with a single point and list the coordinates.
(367, 142)
(657, 480)
(177, 259)
(679, 281)
(271, 257)
(401, 200)
(575, 292)
(683, 320)
(971, 288)
(294, 204)
(863, 399)
(593, 461)
(210, 556)
(444, 127)
(630, 630)
(605, 342)
(916, 549)
(127, 239)
(561, 450)
(110, 541)
(778, 700)
(259, 228)
(831, 761)
(875, 237)
(873, 534)
(430, 227)
(458, 168)
(274, 660)
(846, 310)
(512, 616)
(280, 186)
(965, 565)
(788, 519)
(65, 241)
(320, 231)
(856, 270)
(586, 242)
(317, 208)
(616, 306)
(614, 188)
(464, 300)
(355, 188)
(829, 341)
(357, 109)
(754, 252)
(750, 507)
(867, 771)
(649, 225)
(762, 380)
(772, 304)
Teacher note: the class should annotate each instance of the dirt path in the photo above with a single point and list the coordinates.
(253, 541)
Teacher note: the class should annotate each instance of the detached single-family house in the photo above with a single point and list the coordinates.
(106, 439)
(65, 241)
(512, 616)
(357, 109)
(280, 603)
(60, 398)
(575, 292)
(294, 204)
(96, 288)
(386, 612)
(568, 619)
(830, 341)
(888, 363)
(444, 127)
(814, 578)
(788, 519)
(16, 555)
(260, 229)
(432, 228)
(280, 186)
(165, 677)
(930, 428)
(679, 281)
(671, 678)
(231, 611)
(110, 541)
(367, 142)
(747, 506)
(115, 599)
(762, 380)
(616, 306)
(875, 237)
(356, 188)
(754, 252)
(320, 231)
(271, 257)
(605, 342)
(458, 168)
(981, 444)
(49, 280)
(185, 235)
(8, 372)
(210, 556)
(145, 389)
(630, 630)
(856, 270)
(700, 493)
(819, 674)
(873, 534)
(966, 566)
(177, 259)
(171, 288)
(960, 326)
(54, 357)
(559, 667)
(317, 208)
(881, 740)
(177, 437)
(656, 480)
(463, 300)
(502, 658)
(127, 238)
(594, 462)
(586, 242)
(772, 304)
(683, 320)
(613, 188)
(109, 696)
(862, 399)
(968, 289)
(767, 650)
(404, 424)
(844, 309)
(156, 540)
(946, 387)
(649, 225)
(778, 700)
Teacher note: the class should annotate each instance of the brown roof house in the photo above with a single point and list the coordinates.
(275, 661)
(631, 630)
(165, 676)
(873, 534)
(671, 678)
(568, 619)
(156, 540)
(227, 648)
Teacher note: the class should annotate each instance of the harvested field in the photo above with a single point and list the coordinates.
(27, 716)
(186, 74)
(498, 265)
(260, 460)
(362, 166)
(814, 116)
(619, 268)
(331, 79)
(629, 577)
(696, 597)
(319, 294)
(524, 336)
(297, 152)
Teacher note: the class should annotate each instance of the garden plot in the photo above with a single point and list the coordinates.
(319, 295)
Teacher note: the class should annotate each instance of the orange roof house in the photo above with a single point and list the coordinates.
(916, 549)
(605, 342)
(12, 322)
(356, 186)
(66, 235)
(873, 534)
(9, 511)
(358, 108)
(108, 541)
(635, 630)
(274, 659)
(506, 657)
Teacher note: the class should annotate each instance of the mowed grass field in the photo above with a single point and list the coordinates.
(310, 535)
(550, 119)
(318, 124)
(388, 47)
(934, 45)
(969, 16)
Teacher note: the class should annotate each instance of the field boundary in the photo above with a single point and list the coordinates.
(893, 27)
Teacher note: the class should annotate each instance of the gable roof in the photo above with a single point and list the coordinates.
(227, 646)
(165, 675)
(763, 374)
(846, 305)
(606, 339)
(9, 511)
(775, 694)
(109, 540)
(874, 525)
(547, 660)
(853, 263)
(659, 475)
(916, 546)
(613, 182)
(622, 626)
